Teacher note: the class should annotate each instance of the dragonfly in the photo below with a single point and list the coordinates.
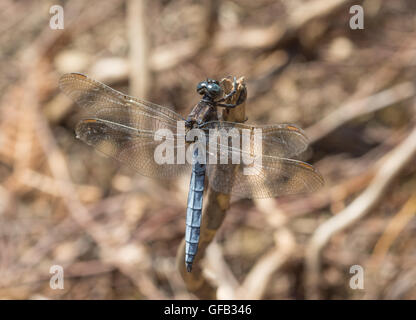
(129, 129)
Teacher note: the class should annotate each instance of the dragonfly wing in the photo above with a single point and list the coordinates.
(136, 148)
(281, 140)
(273, 177)
(102, 102)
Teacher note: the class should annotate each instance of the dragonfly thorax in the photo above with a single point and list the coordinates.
(203, 112)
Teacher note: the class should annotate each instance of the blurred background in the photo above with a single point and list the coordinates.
(116, 233)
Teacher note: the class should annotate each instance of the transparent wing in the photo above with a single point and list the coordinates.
(132, 146)
(102, 102)
(272, 172)
(281, 140)
(121, 126)
(273, 177)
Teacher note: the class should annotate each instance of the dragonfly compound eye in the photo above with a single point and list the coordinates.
(201, 88)
(214, 90)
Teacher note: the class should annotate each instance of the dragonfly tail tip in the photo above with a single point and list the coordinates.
(189, 267)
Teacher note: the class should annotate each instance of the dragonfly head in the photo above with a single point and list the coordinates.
(210, 87)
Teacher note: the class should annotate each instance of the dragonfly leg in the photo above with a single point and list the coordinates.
(188, 123)
(240, 99)
(227, 105)
(233, 92)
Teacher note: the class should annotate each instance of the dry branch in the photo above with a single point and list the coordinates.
(219, 272)
(393, 230)
(259, 277)
(138, 55)
(394, 162)
(354, 109)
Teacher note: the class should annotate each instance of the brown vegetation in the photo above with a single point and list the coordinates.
(117, 233)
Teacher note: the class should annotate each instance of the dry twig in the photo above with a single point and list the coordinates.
(362, 205)
(354, 109)
(138, 55)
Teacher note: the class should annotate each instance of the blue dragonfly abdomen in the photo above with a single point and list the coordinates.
(194, 210)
